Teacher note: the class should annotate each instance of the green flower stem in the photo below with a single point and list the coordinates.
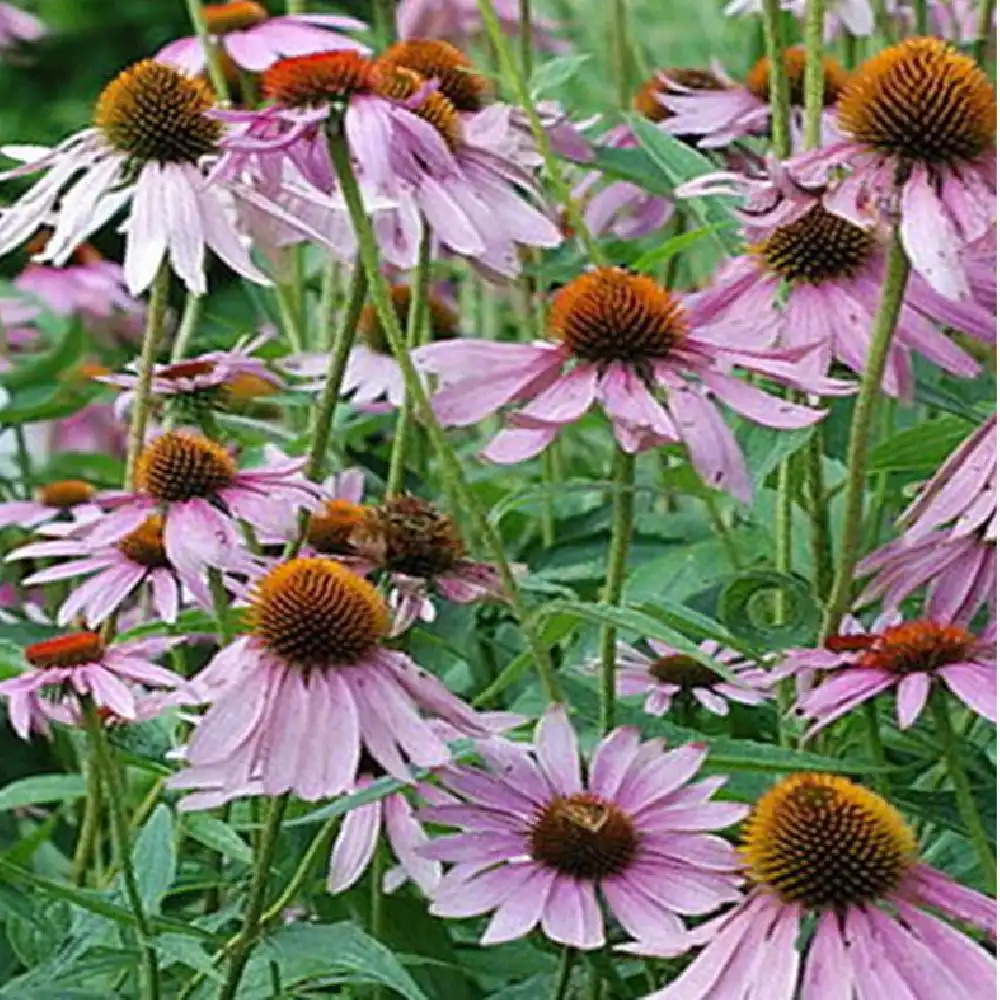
(90, 825)
(620, 55)
(920, 19)
(819, 519)
(212, 59)
(340, 351)
(287, 299)
(897, 273)
(813, 82)
(519, 84)
(876, 749)
(23, 457)
(295, 6)
(376, 915)
(526, 37)
(781, 136)
(622, 516)
(849, 50)
(415, 322)
(984, 32)
(550, 479)
(560, 986)
(107, 768)
(313, 852)
(188, 324)
(722, 531)
(967, 807)
(884, 22)
(155, 318)
(239, 953)
(220, 605)
(452, 475)
(384, 21)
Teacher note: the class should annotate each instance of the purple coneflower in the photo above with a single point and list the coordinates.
(539, 843)
(134, 564)
(254, 40)
(294, 702)
(919, 127)
(195, 485)
(626, 343)
(670, 675)
(838, 909)
(906, 657)
(949, 540)
(56, 501)
(151, 133)
(721, 115)
(82, 665)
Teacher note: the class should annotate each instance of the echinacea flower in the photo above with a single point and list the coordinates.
(82, 665)
(412, 149)
(919, 144)
(949, 542)
(459, 21)
(670, 675)
(420, 549)
(202, 378)
(904, 657)
(622, 341)
(839, 908)
(58, 500)
(817, 280)
(151, 132)
(254, 40)
(18, 26)
(294, 702)
(720, 116)
(854, 16)
(197, 488)
(117, 571)
(373, 376)
(540, 844)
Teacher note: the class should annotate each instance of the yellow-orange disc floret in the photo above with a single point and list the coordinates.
(65, 493)
(181, 465)
(238, 15)
(73, 650)
(453, 71)
(321, 78)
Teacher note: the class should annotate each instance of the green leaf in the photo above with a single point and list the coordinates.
(675, 245)
(218, 836)
(740, 595)
(919, 449)
(155, 858)
(553, 74)
(341, 951)
(42, 788)
(765, 447)
(45, 368)
(678, 163)
(45, 402)
(634, 166)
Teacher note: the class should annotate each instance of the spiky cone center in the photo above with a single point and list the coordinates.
(315, 613)
(584, 836)
(684, 671)
(318, 79)
(397, 83)
(442, 319)
(826, 843)
(65, 493)
(440, 61)
(645, 99)
(330, 528)
(921, 100)
(151, 112)
(144, 545)
(612, 315)
(73, 650)
(409, 535)
(817, 247)
(222, 18)
(835, 77)
(181, 465)
(917, 647)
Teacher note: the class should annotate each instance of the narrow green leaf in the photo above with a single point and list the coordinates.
(215, 834)
(553, 74)
(919, 449)
(155, 858)
(675, 245)
(42, 788)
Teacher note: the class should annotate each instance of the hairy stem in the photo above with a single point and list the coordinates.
(920, 18)
(876, 749)
(984, 32)
(813, 83)
(560, 985)
(452, 475)
(967, 807)
(525, 36)
(819, 516)
(104, 762)
(188, 324)
(90, 826)
(247, 937)
(781, 136)
(622, 515)
(620, 54)
(155, 317)
(897, 272)
(213, 61)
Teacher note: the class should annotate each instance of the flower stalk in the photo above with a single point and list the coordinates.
(897, 273)
(622, 517)
(984, 32)
(620, 54)
(103, 760)
(525, 37)
(155, 318)
(813, 81)
(781, 135)
(967, 807)
(452, 475)
(920, 17)
(212, 59)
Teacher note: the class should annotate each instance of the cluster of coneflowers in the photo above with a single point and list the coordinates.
(871, 242)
